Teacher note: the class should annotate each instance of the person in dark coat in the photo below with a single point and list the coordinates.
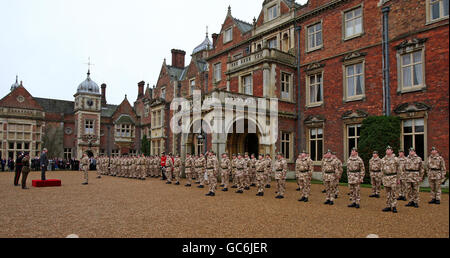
(43, 161)
(25, 170)
(18, 168)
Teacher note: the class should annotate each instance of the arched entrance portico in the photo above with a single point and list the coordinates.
(246, 141)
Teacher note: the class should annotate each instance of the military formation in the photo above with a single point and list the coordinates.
(400, 176)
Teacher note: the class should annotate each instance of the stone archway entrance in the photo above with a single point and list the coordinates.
(243, 142)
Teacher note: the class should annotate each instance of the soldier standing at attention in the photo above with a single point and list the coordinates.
(241, 166)
(436, 175)
(188, 167)
(260, 165)
(281, 168)
(401, 162)
(253, 170)
(375, 174)
(355, 174)
(99, 167)
(233, 171)
(268, 170)
(340, 171)
(177, 169)
(169, 169)
(415, 172)
(247, 172)
(391, 176)
(212, 166)
(143, 167)
(225, 169)
(163, 167)
(85, 167)
(329, 171)
(297, 173)
(200, 166)
(304, 169)
(25, 170)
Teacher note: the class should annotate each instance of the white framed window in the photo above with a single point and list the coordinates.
(353, 133)
(437, 10)
(412, 70)
(89, 126)
(314, 89)
(272, 12)
(286, 83)
(315, 140)
(115, 153)
(228, 35)
(163, 93)
(287, 145)
(413, 135)
(247, 84)
(146, 110)
(314, 35)
(353, 23)
(354, 81)
(218, 72)
(191, 86)
(272, 43)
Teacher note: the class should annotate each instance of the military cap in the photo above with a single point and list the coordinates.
(334, 153)
(246, 153)
(267, 154)
(329, 151)
(355, 149)
(279, 153)
(401, 151)
(433, 149)
(375, 152)
(239, 154)
(234, 155)
(388, 148)
(412, 149)
(163, 153)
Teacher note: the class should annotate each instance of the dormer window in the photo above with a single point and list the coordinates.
(272, 12)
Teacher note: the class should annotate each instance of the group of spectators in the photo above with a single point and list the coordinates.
(54, 164)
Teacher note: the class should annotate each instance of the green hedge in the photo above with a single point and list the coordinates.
(145, 146)
(377, 132)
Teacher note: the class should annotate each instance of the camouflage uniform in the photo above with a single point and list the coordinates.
(252, 172)
(391, 174)
(340, 171)
(212, 165)
(268, 171)
(329, 171)
(241, 166)
(189, 167)
(403, 178)
(169, 169)
(177, 169)
(85, 168)
(304, 170)
(247, 172)
(415, 172)
(436, 175)
(225, 169)
(142, 167)
(233, 171)
(375, 175)
(200, 164)
(260, 165)
(355, 175)
(281, 168)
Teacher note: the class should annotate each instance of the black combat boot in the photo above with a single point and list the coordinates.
(247, 188)
(324, 191)
(387, 209)
(377, 196)
(410, 204)
(432, 201)
(177, 183)
(234, 186)
(168, 183)
(200, 186)
(239, 192)
(327, 202)
(331, 203)
(394, 210)
(373, 196)
(336, 196)
(357, 206)
(416, 205)
(298, 189)
(438, 202)
(253, 185)
(353, 205)
(302, 199)
(188, 185)
(212, 194)
(258, 194)
(267, 186)
(208, 194)
(222, 185)
(225, 190)
(306, 199)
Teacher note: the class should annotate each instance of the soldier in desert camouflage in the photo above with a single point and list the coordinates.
(85, 167)
(200, 165)
(436, 172)
(212, 168)
(241, 166)
(304, 170)
(402, 187)
(233, 170)
(281, 168)
(329, 172)
(268, 170)
(414, 173)
(252, 170)
(340, 171)
(355, 175)
(169, 169)
(177, 169)
(225, 170)
(375, 175)
(260, 166)
(188, 168)
(391, 176)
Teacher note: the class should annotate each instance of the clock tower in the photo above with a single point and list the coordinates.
(88, 108)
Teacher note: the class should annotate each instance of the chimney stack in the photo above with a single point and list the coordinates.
(178, 58)
(141, 89)
(214, 36)
(103, 94)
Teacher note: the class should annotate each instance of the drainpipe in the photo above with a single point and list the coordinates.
(385, 11)
(299, 115)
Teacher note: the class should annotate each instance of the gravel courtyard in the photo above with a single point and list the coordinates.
(126, 208)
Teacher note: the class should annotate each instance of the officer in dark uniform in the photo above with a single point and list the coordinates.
(18, 168)
(25, 170)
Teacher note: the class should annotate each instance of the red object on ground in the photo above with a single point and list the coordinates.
(47, 183)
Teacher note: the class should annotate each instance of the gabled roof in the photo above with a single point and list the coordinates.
(243, 26)
(12, 100)
(109, 110)
(292, 3)
(202, 66)
(175, 72)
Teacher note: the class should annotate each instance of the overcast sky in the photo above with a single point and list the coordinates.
(47, 42)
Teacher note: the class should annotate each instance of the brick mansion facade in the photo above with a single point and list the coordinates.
(329, 63)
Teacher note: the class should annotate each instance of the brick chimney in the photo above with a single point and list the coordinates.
(103, 94)
(141, 89)
(215, 36)
(178, 58)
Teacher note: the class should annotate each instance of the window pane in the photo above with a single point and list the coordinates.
(313, 134)
(312, 145)
(319, 150)
(312, 94)
(350, 87)
(435, 10)
(348, 28)
(320, 133)
(359, 69)
(351, 144)
(407, 141)
(319, 26)
(358, 26)
(351, 131)
(406, 59)
(358, 12)
(349, 15)
(420, 149)
(407, 77)
(312, 79)
(417, 56)
(350, 70)
(418, 74)
(358, 131)
(359, 85)
(445, 7)
(319, 93)
(407, 126)
(319, 39)
(419, 125)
